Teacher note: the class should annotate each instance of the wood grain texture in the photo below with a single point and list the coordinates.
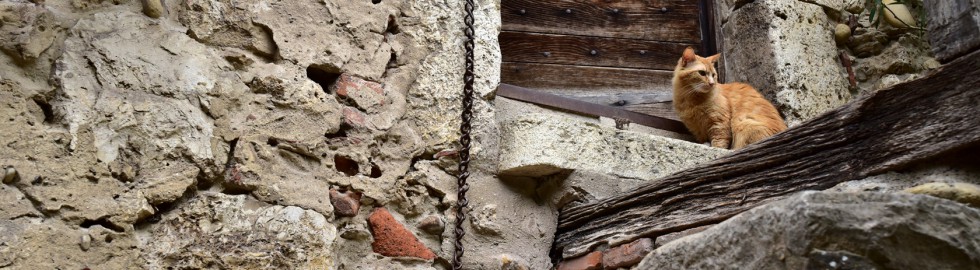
(663, 20)
(954, 27)
(578, 50)
(583, 78)
(651, 102)
(884, 131)
(589, 108)
(716, 11)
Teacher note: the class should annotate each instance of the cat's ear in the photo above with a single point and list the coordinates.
(713, 58)
(688, 56)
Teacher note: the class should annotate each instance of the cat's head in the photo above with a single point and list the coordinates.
(696, 72)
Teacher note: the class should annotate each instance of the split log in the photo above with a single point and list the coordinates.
(884, 131)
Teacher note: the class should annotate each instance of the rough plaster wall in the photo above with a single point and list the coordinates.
(211, 137)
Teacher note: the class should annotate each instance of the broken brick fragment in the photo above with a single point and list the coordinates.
(365, 94)
(353, 117)
(345, 203)
(627, 255)
(392, 239)
(591, 261)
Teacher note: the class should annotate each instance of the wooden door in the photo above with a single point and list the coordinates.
(618, 53)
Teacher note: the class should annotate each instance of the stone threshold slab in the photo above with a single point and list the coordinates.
(539, 144)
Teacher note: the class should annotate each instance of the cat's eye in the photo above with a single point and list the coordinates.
(702, 73)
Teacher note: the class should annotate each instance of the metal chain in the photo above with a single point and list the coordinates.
(464, 138)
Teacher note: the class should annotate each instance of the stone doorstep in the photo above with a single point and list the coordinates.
(540, 144)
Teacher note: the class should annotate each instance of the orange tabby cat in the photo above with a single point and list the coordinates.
(730, 114)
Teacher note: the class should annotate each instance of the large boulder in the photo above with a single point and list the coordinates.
(831, 230)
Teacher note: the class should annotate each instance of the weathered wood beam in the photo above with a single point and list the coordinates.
(884, 131)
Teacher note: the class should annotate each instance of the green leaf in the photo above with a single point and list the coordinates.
(874, 9)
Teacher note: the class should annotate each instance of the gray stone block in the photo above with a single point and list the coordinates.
(543, 144)
(786, 50)
(814, 230)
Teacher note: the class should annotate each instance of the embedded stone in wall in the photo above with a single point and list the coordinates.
(27, 29)
(867, 42)
(235, 231)
(345, 203)
(899, 60)
(392, 239)
(793, 62)
(432, 224)
(364, 94)
(354, 117)
(224, 23)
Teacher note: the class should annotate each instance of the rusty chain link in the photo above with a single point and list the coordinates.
(464, 138)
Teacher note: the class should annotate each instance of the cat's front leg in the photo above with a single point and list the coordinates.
(721, 136)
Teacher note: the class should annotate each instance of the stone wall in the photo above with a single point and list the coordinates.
(247, 134)
(277, 134)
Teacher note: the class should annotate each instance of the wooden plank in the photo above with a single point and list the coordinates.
(706, 20)
(884, 131)
(583, 78)
(656, 103)
(954, 27)
(663, 20)
(716, 11)
(578, 50)
(546, 99)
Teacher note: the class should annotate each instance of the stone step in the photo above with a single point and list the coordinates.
(538, 144)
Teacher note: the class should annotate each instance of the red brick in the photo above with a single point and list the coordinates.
(591, 261)
(353, 117)
(627, 255)
(362, 92)
(446, 153)
(345, 203)
(392, 239)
